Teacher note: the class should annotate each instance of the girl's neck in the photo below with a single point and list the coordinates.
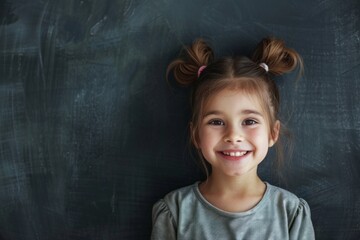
(233, 194)
(233, 186)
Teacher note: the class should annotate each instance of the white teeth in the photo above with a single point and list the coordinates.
(235, 154)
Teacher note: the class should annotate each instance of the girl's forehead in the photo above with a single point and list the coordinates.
(235, 101)
(236, 98)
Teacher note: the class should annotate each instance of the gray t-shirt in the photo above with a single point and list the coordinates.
(186, 214)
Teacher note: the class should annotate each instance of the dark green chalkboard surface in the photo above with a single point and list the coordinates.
(91, 134)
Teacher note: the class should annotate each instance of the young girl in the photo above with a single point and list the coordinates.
(235, 105)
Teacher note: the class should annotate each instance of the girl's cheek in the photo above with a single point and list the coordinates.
(255, 133)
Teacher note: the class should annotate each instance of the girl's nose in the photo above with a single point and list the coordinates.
(234, 136)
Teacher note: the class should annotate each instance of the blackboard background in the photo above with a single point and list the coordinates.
(91, 135)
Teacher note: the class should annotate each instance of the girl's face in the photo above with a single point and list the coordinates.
(234, 134)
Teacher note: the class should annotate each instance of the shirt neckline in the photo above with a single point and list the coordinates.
(210, 206)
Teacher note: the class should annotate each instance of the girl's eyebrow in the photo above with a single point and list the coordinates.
(250, 111)
(244, 112)
(214, 112)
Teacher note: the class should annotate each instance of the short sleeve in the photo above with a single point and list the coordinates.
(301, 226)
(164, 227)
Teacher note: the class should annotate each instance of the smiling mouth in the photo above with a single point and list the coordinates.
(235, 154)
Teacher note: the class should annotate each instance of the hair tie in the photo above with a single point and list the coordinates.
(201, 69)
(264, 66)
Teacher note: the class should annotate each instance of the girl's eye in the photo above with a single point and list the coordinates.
(216, 122)
(249, 122)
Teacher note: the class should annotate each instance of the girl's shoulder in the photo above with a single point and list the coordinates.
(175, 201)
(179, 195)
(281, 191)
(280, 194)
(287, 200)
(182, 192)
(297, 213)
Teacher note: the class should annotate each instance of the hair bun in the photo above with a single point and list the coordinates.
(186, 67)
(279, 58)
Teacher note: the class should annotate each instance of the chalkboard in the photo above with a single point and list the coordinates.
(92, 134)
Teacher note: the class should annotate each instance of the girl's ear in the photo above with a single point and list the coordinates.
(274, 135)
(193, 135)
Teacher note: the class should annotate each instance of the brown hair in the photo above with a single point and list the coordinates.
(238, 73)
